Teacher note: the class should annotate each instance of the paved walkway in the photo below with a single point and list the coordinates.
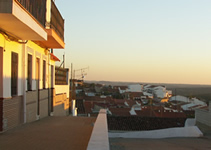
(54, 133)
(202, 143)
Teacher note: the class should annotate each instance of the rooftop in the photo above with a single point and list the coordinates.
(50, 133)
(160, 144)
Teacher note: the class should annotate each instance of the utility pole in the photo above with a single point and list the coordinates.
(71, 87)
(63, 61)
(73, 92)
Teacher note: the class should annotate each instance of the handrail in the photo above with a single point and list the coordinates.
(57, 22)
(37, 8)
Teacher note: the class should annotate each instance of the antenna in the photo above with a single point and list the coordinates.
(82, 74)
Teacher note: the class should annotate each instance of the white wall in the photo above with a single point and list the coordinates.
(29, 48)
(160, 93)
(134, 88)
(179, 98)
(192, 131)
(62, 89)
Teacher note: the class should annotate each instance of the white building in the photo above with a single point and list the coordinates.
(157, 91)
(191, 104)
(135, 88)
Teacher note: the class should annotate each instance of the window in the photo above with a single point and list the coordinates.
(44, 74)
(14, 74)
(29, 79)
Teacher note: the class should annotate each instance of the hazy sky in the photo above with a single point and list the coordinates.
(164, 41)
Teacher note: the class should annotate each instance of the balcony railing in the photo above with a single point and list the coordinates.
(57, 22)
(37, 8)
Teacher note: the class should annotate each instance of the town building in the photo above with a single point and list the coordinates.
(29, 89)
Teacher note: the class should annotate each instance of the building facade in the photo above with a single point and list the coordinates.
(29, 31)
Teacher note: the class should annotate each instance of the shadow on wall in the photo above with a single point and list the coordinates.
(60, 104)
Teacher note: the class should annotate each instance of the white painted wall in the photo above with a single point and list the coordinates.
(62, 89)
(179, 98)
(134, 88)
(192, 131)
(132, 111)
(160, 93)
(29, 48)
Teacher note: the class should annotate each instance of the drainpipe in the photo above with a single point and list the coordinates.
(24, 81)
(49, 107)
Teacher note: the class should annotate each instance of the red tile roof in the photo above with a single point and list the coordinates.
(136, 123)
(168, 114)
(120, 111)
(88, 107)
(121, 87)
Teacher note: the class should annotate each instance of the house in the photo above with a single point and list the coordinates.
(122, 89)
(135, 88)
(133, 95)
(179, 98)
(157, 91)
(29, 31)
(187, 103)
(98, 88)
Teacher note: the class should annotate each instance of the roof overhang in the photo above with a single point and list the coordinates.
(53, 41)
(53, 57)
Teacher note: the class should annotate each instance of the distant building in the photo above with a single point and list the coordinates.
(157, 91)
(122, 89)
(135, 88)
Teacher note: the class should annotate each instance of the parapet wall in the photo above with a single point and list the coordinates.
(99, 137)
(203, 116)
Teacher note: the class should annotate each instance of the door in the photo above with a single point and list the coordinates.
(38, 85)
(14, 74)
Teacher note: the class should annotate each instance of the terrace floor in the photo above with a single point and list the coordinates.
(202, 143)
(50, 133)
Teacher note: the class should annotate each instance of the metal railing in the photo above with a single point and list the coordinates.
(57, 22)
(37, 8)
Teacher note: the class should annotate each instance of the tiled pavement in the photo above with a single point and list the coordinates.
(54, 133)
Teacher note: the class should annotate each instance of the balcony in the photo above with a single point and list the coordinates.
(55, 29)
(24, 19)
